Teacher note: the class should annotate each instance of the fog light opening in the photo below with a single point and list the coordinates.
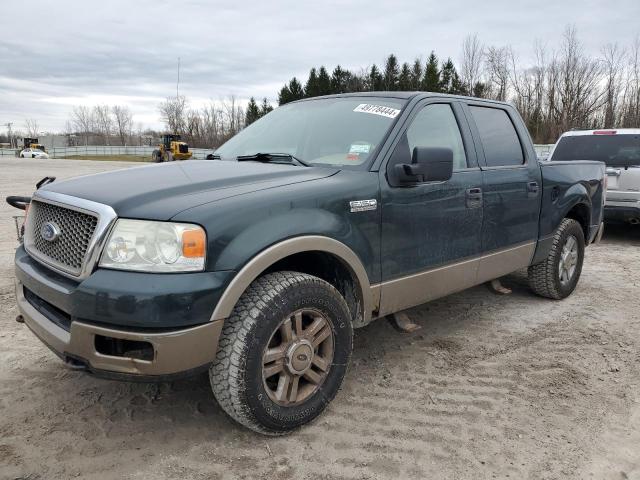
(119, 347)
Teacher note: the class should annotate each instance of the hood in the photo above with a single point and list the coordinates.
(161, 191)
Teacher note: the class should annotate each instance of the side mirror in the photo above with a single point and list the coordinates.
(428, 164)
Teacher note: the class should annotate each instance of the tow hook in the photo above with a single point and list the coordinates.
(74, 364)
(20, 319)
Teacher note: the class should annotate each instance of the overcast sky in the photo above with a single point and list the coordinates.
(57, 54)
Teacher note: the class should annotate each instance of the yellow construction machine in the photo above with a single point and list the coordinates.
(32, 143)
(171, 148)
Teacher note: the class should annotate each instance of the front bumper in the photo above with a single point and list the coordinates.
(123, 324)
(173, 352)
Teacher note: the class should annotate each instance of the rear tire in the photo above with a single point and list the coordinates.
(557, 276)
(286, 325)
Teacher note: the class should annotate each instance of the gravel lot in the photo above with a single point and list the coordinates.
(491, 387)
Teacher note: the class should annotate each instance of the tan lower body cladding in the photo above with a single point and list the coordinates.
(418, 288)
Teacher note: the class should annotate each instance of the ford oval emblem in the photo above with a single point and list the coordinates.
(50, 231)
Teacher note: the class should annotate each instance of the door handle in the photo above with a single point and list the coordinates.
(532, 189)
(473, 197)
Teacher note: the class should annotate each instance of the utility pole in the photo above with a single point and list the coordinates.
(8, 125)
(178, 82)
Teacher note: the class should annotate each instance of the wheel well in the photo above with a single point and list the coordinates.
(582, 215)
(331, 269)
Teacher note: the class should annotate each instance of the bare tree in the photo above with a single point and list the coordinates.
(574, 94)
(234, 115)
(471, 62)
(82, 121)
(497, 66)
(173, 111)
(103, 121)
(32, 127)
(612, 57)
(630, 116)
(123, 122)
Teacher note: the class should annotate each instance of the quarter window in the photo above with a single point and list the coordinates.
(498, 135)
(435, 126)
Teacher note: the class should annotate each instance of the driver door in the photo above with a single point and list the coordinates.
(431, 231)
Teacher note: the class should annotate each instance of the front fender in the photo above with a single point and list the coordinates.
(260, 262)
(268, 231)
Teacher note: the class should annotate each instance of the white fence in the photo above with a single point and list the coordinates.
(198, 153)
(104, 150)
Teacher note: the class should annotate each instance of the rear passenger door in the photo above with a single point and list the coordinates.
(511, 188)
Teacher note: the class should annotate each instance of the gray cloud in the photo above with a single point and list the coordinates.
(71, 52)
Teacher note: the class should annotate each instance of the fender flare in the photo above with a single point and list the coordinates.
(263, 260)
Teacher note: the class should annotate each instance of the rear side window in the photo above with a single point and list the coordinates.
(498, 135)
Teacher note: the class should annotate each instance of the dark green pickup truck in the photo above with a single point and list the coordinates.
(317, 219)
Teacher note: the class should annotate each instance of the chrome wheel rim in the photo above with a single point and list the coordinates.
(568, 260)
(298, 357)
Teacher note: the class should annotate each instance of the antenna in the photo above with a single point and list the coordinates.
(178, 83)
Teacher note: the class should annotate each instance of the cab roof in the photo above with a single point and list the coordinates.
(403, 96)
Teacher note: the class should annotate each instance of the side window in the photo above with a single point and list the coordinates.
(498, 135)
(435, 126)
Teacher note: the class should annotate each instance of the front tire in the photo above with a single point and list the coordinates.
(283, 352)
(557, 276)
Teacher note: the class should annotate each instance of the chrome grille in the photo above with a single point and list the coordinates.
(76, 228)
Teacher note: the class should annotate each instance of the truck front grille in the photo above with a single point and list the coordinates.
(75, 228)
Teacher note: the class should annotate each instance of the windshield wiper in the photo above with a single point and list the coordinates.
(269, 157)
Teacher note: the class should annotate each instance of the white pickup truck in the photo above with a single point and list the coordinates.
(619, 149)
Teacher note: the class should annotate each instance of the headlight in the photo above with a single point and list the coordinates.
(147, 246)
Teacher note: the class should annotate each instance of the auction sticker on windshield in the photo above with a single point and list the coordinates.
(377, 110)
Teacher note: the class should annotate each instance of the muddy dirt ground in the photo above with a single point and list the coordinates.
(491, 387)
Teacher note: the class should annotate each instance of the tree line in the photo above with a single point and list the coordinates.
(565, 88)
(562, 88)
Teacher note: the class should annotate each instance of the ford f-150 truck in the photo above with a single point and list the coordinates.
(317, 219)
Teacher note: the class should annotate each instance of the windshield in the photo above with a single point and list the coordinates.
(614, 150)
(334, 131)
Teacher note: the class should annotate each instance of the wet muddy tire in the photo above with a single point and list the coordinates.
(283, 352)
(556, 277)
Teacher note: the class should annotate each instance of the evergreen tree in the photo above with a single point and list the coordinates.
(324, 82)
(404, 79)
(374, 80)
(450, 80)
(295, 87)
(340, 80)
(390, 77)
(312, 87)
(479, 90)
(284, 95)
(265, 107)
(416, 75)
(290, 92)
(432, 81)
(253, 112)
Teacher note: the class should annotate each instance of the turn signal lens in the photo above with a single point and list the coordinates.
(193, 243)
